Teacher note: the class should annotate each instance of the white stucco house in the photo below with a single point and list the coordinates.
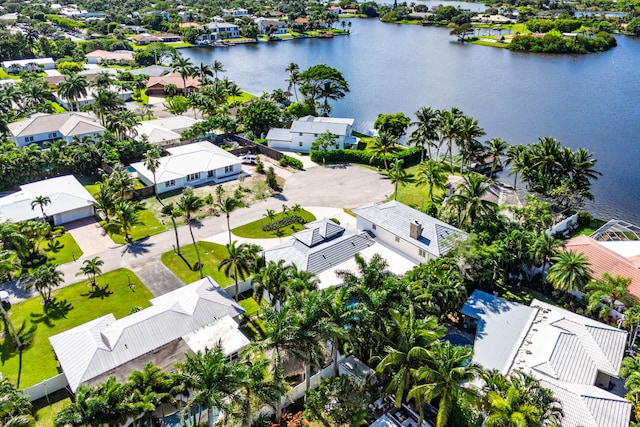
(218, 30)
(271, 26)
(191, 165)
(165, 130)
(69, 201)
(33, 64)
(41, 128)
(304, 132)
(417, 236)
(90, 97)
(235, 13)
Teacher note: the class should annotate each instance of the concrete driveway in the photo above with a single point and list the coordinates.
(338, 186)
(90, 236)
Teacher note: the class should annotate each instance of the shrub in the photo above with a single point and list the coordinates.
(410, 156)
(335, 220)
(259, 166)
(290, 161)
(272, 182)
(584, 219)
(283, 222)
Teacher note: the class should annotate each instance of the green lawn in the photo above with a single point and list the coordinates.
(254, 229)
(57, 108)
(244, 97)
(148, 227)
(45, 415)
(5, 75)
(72, 306)
(254, 328)
(68, 250)
(416, 195)
(211, 255)
(589, 229)
(523, 295)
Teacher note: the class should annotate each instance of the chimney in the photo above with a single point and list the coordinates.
(415, 230)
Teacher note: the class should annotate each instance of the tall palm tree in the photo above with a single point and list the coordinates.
(102, 80)
(204, 71)
(273, 280)
(468, 133)
(408, 345)
(91, 268)
(382, 146)
(255, 386)
(217, 67)
(340, 317)
(226, 206)
(212, 379)
(469, 195)
(517, 159)
(496, 149)
(236, 264)
(105, 201)
(106, 102)
(443, 377)
(41, 202)
(294, 77)
(150, 388)
(44, 278)
(172, 212)
(72, 88)
(127, 216)
(603, 294)
(570, 271)
(426, 130)
(399, 176)
(449, 125)
(329, 90)
(544, 248)
(433, 175)
(188, 204)
(151, 161)
(183, 66)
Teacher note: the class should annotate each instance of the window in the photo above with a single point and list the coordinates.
(170, 183)
(228, 169)
(373, 226)
(210, 174)
(300, 134)
(300, 144)
(398, 239)
(422, 253)
(193, 176)
(28, 139)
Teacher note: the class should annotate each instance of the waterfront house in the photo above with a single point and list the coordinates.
(123, 57)
(146, 38)
(576, 357)
(33, 64)
(40, 128)
(417, 236)
(218, 30)
(191, 165)
(90, 97)
(156, 85)
(166, 130)
(235, 13)
(69, 201)
(271, 26)
(187, 320)
(304, 132)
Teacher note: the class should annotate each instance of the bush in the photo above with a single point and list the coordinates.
(335, 220)
(290, 161)
(283, 222)
(259, 166)
(272, 182)
(410, 156)
(584, 219)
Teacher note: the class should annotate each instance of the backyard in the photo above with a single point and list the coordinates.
(211, 255)
(414, 194)
(72, 306)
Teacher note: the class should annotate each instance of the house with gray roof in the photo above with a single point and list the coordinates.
(306, 130)
(218, 30)
(576, 357)
(187, 320)
(416, 235)
(152, 71)
(41, 128)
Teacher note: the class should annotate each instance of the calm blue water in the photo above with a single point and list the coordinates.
(592, 101)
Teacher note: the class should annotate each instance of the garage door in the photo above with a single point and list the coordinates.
(73, 215)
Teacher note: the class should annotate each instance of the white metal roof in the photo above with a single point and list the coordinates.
(65, 192)
(201, 156)
(23, 62)
(68, 124)
(279, 134)
(91, 349)
(318, 125)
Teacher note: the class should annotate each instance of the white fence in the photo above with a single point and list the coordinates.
(46, 387)
(243, 286)
(565, 226)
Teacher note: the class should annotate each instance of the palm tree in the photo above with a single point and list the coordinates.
(469, 195)
(150, 388)
(188, 205)
(170, 210)
(270, 214)
(496, 148)
(106, 102)
(449, 125)
(255, 386)
(294, 76)
(212, 379)
(233, 91)
(227, 206)
(41, 201)
(602, 294)
(105, 201)
(102, 80)
(444, 375)
(382, 146)
(273, 279)
(151, 161)
(408, 345)
(217, 67)
(329, 90)
(236, 264)
(517, 159)
(399, 176)
(91, 268)
(183, 66)
(468, 133)
(203, 71)
(72, 88)
(433, 175)
(426, 129)
(340, 317)
(544, 248)
(570, 271)
(127, 217)
(44, 278)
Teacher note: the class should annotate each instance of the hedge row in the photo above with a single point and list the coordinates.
(290, 161)
(410, 156)
(283, 222)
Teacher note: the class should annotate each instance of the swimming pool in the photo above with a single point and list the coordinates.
(458, 340)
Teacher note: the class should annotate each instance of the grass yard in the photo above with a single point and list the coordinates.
(45, 415)
(589, 229)
(4, 75)
(254, 328)
(149, 225)
(523, 295)
(244, 97)
(64, 249)
(416, 195)
(72, 306)
(57, 108)
(211, 255)
(254, 229)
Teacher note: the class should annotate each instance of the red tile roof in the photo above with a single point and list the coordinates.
(174, 78)
(604, 260)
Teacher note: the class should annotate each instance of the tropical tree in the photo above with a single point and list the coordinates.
(152, 162)
(382, 146)
(517, 159)
(41, 202)
(570, 271)
(72, 88)
(255, 386)
(544, 248)
(44, 278)
(496, 149)
(91, 268)
(444, 377)
(399, 176)
(237, 263)
(106, 102)
(468, 133)
(203, 71)
(602, 294)
(188, 204)
(149, 389)
(432, 174)
(426, 130)
(273, 279)
(449, 125)
(409, 340)
(105, 201)
(183, 66)
(217, 67)
(15, 408)
(226, 206)
(321, 81)
(294, 76)
(127, 216)
(470, 195)
(172, 212)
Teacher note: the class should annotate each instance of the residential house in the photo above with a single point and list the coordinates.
(306, 130)
(69, 201)
(415, 235)
(33, 64)
(146, 38)
(218, 30)
(156, 85)
(152, 71)
(115, 57)
(336, 10)
(90, 97)
(135, 29)
(166, 130)
(190, 165)
(187, 320)
(272, 26)
(40, 128)
(576, 357)
(235, 13)
(325, 247)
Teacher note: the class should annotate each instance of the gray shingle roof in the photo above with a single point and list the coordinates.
(437, 236)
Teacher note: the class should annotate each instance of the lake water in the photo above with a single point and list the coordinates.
(590, 101)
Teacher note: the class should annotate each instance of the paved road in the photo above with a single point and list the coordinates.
(348, 186)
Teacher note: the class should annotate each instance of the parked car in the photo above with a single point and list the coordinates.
(250, 159)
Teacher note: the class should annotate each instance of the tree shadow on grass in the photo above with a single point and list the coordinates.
(98, 292)
(8, 346)
(54, 310)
